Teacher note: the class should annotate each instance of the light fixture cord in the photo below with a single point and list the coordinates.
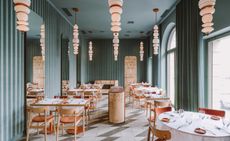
(155, 18)
(75, 18)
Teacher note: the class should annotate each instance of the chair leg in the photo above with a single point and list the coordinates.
(148, 138)
(28, 131)
(45, 132)
(37, 129)
(27, 134)
(62, 128)
(75, 136)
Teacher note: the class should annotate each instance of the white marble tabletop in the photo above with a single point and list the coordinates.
(183, 125)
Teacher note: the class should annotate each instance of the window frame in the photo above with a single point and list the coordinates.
(209, 79)
(169, 51)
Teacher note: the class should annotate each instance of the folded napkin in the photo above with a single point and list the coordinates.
(165, 119)
(215, 118)
(200, 131)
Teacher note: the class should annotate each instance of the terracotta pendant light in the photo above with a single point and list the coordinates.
(75, 34)
(156, 40)
(207, 10)
(22, 9)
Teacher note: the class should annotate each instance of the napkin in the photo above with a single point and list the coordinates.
(215, 118)
(200, 131)
(165, 119)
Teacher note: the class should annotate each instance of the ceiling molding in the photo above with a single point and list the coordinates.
(172, 9)
(63, 16)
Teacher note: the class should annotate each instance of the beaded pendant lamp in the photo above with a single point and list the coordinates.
(156, 40)
(22, 9)
(42, 41)
(207, 10)
(115, 11)
(141, 51)
(90, 51)
(75, 34)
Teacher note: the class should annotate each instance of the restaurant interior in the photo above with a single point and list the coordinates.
(114, 70)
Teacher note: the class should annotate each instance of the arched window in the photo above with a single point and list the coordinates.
(171, 48)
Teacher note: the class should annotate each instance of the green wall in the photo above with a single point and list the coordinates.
(221, 18)
(12, 71)
(32, 49)
(103, 65)
(55, 28)
(64, 59)
(11, 75)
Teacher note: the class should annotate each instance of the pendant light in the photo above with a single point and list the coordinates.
(42, 41)
(206, 11)
(75, 34)
(90, 51)
(22, 9)
(141, 51)
(115, 11)
(156, 40)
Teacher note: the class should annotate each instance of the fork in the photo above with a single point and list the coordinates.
(209, 131)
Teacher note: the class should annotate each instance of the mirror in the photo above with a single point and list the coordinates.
(35, 65)
(64, 65)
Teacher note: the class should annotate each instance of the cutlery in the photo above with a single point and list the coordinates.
(219, 128)
(186, 124)
(209, 131)
(181, 126)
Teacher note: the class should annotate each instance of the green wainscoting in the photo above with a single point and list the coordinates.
(32, 49)
(11, 75)
(103, 65)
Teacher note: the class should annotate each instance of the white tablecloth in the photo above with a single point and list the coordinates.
(146, 90)
(188, 122)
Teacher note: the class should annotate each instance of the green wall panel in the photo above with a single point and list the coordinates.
(55, 27)
(32, 49)
(103, 65)
(11, 75)
(12, 93)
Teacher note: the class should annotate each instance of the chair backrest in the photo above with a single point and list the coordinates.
(68, 111)
(160, 110)
(79, 97)
(162, 135)
(213, 112)
(71, 93)
(138, 92)
(38, 110)
(61, 97)
(162, 103)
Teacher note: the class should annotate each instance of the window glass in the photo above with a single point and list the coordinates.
(171, 65)
(220, 74)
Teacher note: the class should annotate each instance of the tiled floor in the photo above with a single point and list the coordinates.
(134, 128)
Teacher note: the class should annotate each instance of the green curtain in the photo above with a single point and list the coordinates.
(188, 43)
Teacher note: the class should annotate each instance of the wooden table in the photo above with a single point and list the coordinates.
(62, 102)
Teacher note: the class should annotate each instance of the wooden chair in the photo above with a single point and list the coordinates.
(87, 108)
(162, 103)
(162, 135)
(157, 111)
(159, 104)
(39, 117)
(213, 112)
(69, 119)
(138, 97)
